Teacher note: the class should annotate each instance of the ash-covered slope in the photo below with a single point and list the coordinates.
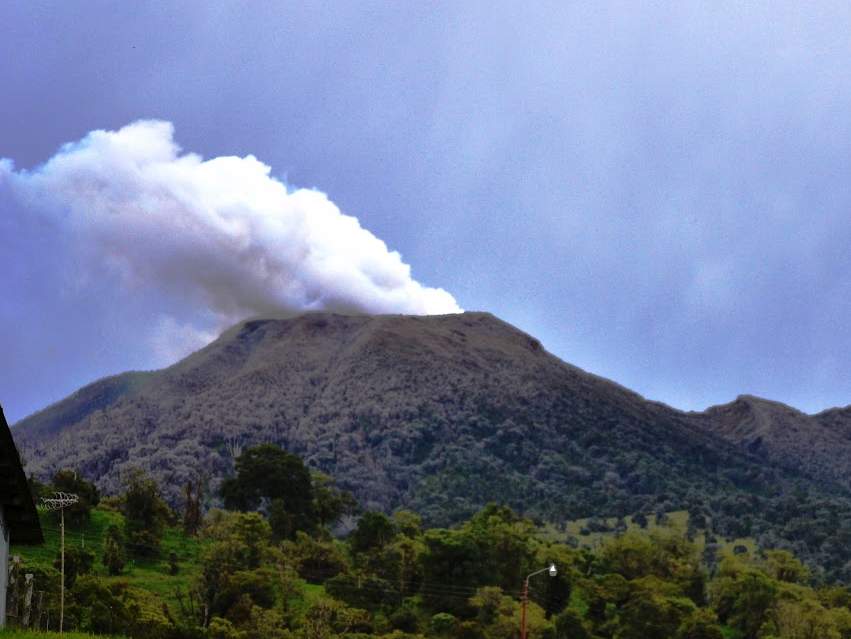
(441, 414)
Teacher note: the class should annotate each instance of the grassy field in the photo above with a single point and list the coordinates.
(152, 575)
(676, 521)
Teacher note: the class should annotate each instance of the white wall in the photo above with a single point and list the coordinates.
(4, 567)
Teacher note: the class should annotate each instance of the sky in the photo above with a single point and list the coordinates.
(659, 192)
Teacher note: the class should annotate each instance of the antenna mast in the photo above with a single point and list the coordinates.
(60, 501)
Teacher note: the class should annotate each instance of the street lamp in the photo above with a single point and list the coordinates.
(551, 569)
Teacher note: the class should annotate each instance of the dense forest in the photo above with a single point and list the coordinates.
(293, 556)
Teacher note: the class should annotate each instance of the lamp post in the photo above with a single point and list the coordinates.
(524, 602)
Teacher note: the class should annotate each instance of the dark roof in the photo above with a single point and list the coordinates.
(18, 509)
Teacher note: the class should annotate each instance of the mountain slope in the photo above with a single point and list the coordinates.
(361, 396)
(97, 396)
(817, 445)
(441, 414)
(398, 408)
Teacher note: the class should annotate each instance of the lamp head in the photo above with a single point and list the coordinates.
(553, 571)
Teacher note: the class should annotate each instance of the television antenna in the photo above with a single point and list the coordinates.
(60, 501)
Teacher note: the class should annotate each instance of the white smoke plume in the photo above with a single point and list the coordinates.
(122, 237)
(222, 230)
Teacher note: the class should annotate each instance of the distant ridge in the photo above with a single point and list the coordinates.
(819, 445)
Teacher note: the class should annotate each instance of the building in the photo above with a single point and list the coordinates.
(18, 518)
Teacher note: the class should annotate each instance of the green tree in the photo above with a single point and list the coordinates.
(327, 618)
(275, 482)
(494, 548)
(603, 592)
(329, 502)
(450, 557)
(662, 554)
(78, 561)
(240, 590)
(100, 607)
(221, 628)
(114, 556)
(640, 519)
(362, 591)
(488, 604)
(238, 565)
(743, 597)
(405, 618)
(373, 531)
(192, 518)
(651, 615)
(804, 619)
(498, 615)
(701, 624)
(570, 625)
(408, 523)
(842, 620)
(145, 515)
(784, 566)
(505, 543)
(314, 559)
(400, 561)
(442, 624)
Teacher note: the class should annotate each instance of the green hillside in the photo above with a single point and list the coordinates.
(152, 575)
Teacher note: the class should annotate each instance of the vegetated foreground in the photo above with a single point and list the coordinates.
(46, 634)
(278, 573)
(442, 415)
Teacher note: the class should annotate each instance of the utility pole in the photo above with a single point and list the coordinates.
(60, 501)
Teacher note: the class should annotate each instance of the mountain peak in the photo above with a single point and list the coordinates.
(784, 434)
(762, 402)
(398, 408)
